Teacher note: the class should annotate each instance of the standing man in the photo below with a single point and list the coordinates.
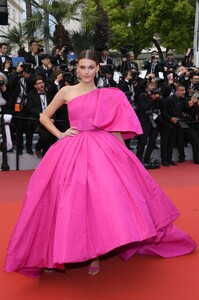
(32, 57)
(38, 99)
(175, 107)
(128, 63)
(3, 55)
(45, 70)
(153, 66)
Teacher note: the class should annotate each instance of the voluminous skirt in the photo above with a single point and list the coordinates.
(77, 209)
(90, 195)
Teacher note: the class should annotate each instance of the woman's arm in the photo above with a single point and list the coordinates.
(119, 136)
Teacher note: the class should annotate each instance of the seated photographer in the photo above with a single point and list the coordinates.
(106, 78)
(148, 111)
(176, 109)
(7, 114)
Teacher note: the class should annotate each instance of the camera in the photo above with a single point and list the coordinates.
(153, 92)
(195, 86)
(26, 67)
(40, 50)
(182, 125)
(150, 113)
(68, 76)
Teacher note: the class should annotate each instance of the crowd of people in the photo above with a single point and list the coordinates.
(166, 100)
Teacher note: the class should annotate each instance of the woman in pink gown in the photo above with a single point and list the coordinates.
(90, 194)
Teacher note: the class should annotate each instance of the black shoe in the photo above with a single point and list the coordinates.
(181, 161)
(172, 163)
(165, 164)
(156, 147)
(10, 151)
(29, 151)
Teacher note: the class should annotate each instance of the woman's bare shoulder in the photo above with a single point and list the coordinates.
(68, 92)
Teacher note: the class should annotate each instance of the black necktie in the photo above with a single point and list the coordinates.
(3, 55)
(41, 93)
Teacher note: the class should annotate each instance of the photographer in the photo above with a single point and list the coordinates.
(45, 70)
(170, 64)
(176, 108)
(125, 85)
(148, 111)
(188, 58)
(58, 56)
(106, 78)
(33, 56)
(194, 102)
(19, 85)
(7, 114)
(128, 62)
(153, 66)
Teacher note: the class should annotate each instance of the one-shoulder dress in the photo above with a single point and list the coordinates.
(91, 195)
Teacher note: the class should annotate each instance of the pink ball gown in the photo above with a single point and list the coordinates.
(90, 195)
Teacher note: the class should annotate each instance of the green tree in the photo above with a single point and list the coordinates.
(138, 22)
(59, 11)
(94, 17)
(16, 37)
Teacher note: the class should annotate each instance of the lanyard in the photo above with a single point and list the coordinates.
(43, 102)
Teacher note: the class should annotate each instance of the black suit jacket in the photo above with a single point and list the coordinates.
(14, 89)
(157, 68)
(33, 106)
(41, 71)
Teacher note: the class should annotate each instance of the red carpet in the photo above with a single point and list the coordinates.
(142, 277)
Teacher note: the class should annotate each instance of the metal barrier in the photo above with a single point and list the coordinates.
(5, 165)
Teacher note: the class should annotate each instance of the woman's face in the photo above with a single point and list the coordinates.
(87, 69)
(7, 65)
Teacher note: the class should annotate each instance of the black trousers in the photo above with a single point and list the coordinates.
(20, 124)
(46, 139)
(168, 138)
(191, 136)
(30, 129)
(149, 136)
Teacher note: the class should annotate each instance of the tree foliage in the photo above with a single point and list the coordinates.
(137, 22)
